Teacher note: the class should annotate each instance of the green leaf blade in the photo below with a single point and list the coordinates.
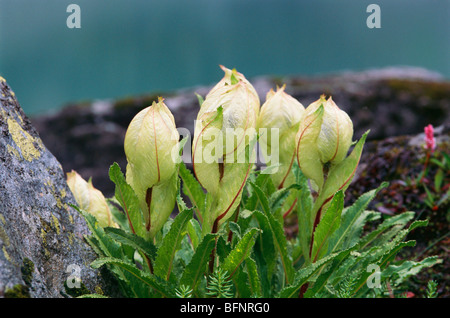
(240, 252)
(128, 200)
(171, 243)
(197, 265)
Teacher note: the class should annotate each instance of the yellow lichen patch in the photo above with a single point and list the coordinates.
(2, 219)
(4, 237)
(71, 236)
(24, 141)
(63, 193)
(5, 252)
(56, 223)
(99, 290)
(58, 202)
(70, 215)
(43, 237)
(14, 152)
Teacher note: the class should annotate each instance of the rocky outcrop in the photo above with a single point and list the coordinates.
(42, 249)
(390, 102)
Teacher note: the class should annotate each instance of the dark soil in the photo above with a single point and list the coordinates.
(401, 164)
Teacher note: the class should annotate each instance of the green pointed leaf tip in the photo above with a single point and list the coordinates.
(200, 99)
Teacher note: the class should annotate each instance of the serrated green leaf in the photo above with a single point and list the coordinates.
(277, 198)
(304, 212)
(118, 216)
(132, 240)
(400, 219)
(277, 230)
(128, 200)
(329, 223)
(399, 273)
(235, 229)
(171, 243)
(143, 277)
(197, 266)
(265, 248)
(348, 233)
(253, 277)
(304, 275)
(194, 231)
(323, 278)
(240, 252)
(192, 188)
(387, 252)
(104, 243)
(262, 197)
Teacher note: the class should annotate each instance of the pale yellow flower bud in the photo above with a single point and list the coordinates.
(225, 126)
(150, 142)
(152, 151)
(325, 136)
(90, 199)
(280, 115)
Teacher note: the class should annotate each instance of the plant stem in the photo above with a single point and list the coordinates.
(149, 264)
(148, 200)
(286, 214)
(303, 290)
(425, 165)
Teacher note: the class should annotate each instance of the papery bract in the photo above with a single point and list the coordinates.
(225, 126)
(89, 198)
(280, 114)
(149, 145)
(325, 136)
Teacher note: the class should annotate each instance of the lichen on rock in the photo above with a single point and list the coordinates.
(40, 235)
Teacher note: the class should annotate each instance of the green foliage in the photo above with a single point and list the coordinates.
(250, 255)
(432, 289)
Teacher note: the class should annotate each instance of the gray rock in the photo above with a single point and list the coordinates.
(41, 236)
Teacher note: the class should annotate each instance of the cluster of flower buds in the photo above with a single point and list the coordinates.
(318, 137)
(324, 138)
(151, 147)
(90, 199)
(224, 130)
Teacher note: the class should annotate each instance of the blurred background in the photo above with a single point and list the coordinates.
(127, 48)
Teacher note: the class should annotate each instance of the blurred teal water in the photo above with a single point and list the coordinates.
(134, 47)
